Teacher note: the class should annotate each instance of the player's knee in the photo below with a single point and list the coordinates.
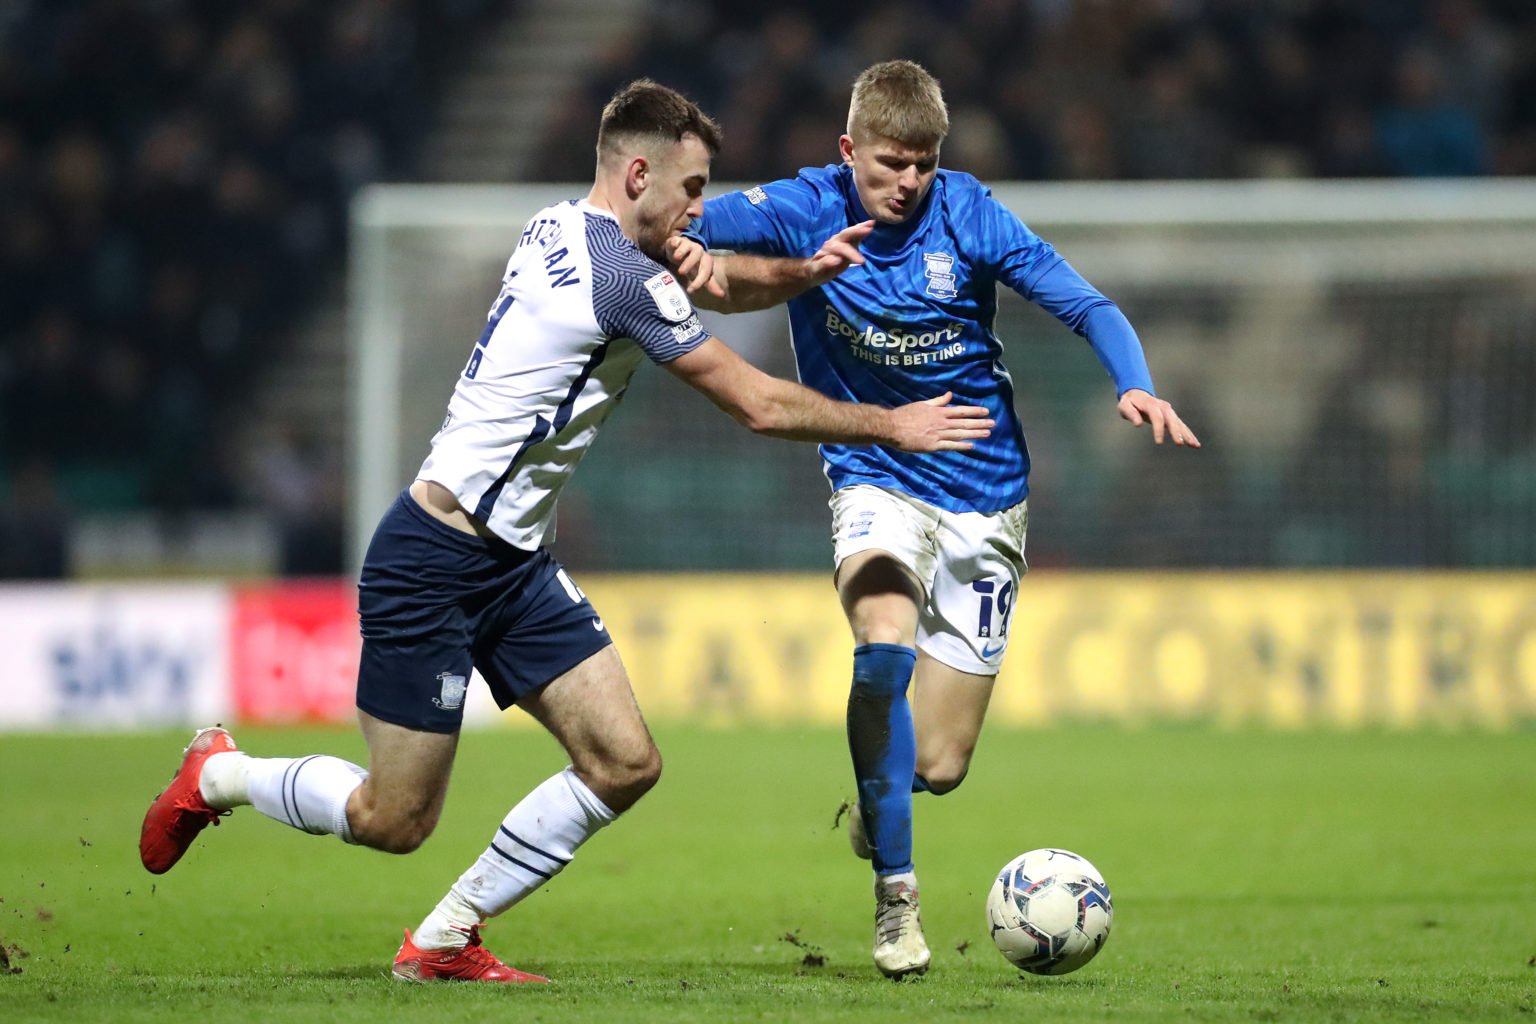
(641, 772)
(880, 631)
(622, 779)
(392, 832)
(944, 775)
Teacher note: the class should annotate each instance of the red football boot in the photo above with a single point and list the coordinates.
(180, 813)
(472, 963)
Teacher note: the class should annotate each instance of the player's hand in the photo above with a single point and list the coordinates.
(1138, 407)
(838, 253)
(694, 265)
(934, 425)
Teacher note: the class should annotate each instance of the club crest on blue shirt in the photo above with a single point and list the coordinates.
(452, 696)
(939, 268)
(670, 297)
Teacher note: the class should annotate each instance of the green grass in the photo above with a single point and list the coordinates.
(1257, 876)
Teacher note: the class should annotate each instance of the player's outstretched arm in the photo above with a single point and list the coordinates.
(1138, 407)
(780, 408)
(738, 282)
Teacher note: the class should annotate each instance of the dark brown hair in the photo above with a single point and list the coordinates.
(646, 111)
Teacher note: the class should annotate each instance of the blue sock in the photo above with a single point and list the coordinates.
(919, 784)
(884, 750)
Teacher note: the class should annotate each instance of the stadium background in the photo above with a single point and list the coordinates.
(1354, 544)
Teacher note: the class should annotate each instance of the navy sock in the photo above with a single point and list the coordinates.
(884, 750)
(919, 784)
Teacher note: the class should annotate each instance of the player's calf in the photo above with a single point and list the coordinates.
(883, 749)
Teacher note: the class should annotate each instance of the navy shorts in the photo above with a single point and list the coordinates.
(435, 601)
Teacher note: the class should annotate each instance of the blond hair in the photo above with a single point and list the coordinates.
(900, 100)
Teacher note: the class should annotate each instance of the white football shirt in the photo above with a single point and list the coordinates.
(579, 306)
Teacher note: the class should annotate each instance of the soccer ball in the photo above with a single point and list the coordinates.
(1049, 911)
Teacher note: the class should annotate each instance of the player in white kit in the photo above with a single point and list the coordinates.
(457, 576)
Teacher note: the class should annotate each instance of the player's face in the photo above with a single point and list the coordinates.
(891, 177)
(673, 196)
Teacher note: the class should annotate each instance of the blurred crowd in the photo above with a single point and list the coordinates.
(1108, 89)
(1424, 453)
(174, 178)
(174, 175)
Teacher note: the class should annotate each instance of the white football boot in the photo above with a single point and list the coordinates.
(856, 837)
(900, 948)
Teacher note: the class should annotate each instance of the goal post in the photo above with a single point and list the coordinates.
(1359, 356)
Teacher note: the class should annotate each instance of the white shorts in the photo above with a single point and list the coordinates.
(969, 565)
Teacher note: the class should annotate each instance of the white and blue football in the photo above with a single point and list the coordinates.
(1049, 911)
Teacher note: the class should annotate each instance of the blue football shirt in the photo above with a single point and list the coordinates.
(916, 320)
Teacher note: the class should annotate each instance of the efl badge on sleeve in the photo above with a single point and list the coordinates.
(670, 297)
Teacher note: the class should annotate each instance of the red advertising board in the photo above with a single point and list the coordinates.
(294, 650)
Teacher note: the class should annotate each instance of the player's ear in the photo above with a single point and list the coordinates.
(637, 175)
(845, 147)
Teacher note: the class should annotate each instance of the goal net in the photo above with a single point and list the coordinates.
(1360, 359)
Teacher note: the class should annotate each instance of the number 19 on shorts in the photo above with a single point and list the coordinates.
(996, 604)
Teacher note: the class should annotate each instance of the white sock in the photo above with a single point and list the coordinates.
(307, 793)
(223, 781)
(534, 843)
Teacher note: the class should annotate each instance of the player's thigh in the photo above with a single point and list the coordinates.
(883, 547)
(880, 598)
(948, 709)
(592, 711)
(408, 772)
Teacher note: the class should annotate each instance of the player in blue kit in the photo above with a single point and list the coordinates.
(457, 576)
(929, 547)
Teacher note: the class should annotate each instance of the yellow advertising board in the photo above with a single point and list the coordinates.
(1412, 649)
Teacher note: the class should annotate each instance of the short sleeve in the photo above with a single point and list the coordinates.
(635, 297)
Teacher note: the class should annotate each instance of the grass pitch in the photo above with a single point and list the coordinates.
(1256, 876)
